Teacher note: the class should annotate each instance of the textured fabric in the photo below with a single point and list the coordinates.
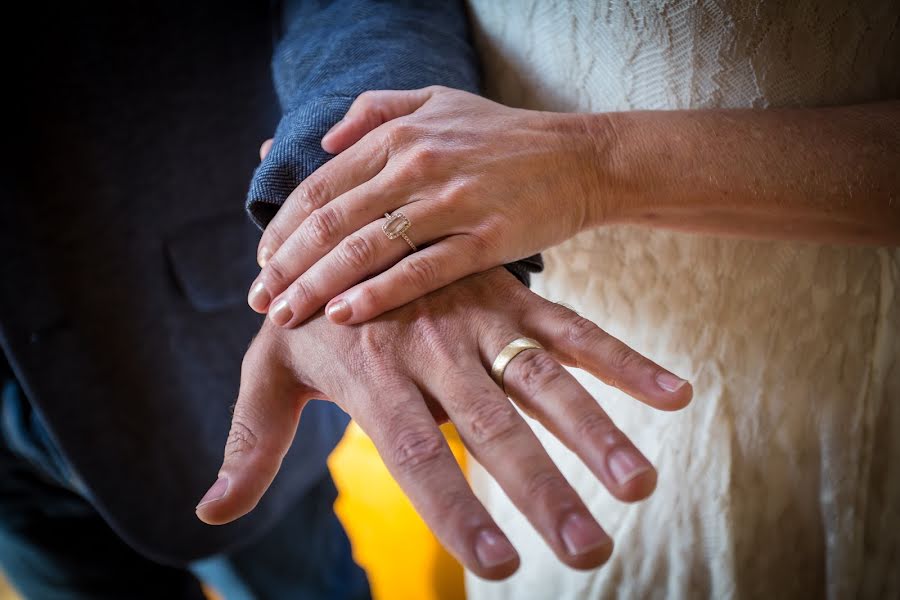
(136, 127)
(332, 52)
(307, 555)
(43, 508)
(780, 480)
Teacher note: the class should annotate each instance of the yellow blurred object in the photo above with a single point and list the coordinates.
(6, 592)
(390, 541)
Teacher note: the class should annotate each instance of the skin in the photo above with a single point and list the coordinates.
(401, 374)
(484, 184)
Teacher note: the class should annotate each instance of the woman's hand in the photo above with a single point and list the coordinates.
(429, 361)
(481, 185)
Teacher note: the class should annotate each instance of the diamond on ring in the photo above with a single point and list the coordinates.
(396, 226)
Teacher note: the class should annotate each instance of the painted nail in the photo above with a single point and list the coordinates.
(258, 298)
(581, 534)
(625, 465)
(263, 257)
(669, 382)
(493, 549)
(338, 311)
(216, 492)
(281, 312)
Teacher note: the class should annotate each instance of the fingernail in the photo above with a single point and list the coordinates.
(338, 311)
(625, 465)
(669, 382)
(258, 298)
(581, 534)
(263, 257)
(216, 492)
(493, 549)
(281, 312)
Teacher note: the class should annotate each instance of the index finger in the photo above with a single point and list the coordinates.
(339, 175)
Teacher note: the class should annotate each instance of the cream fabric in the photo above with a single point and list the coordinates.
(781, 479)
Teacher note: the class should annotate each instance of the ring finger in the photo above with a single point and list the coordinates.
(319, 233)
(358, 256)
(502, 442)
(343, 173)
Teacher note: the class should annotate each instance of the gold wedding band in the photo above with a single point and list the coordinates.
(397, 225)
(509, 352)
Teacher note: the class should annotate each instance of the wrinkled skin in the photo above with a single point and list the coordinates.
(481, 183)
(429, 361)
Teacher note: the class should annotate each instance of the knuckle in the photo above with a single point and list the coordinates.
(312, 194)
(539, 370)
(456, 192)
(402, 131)
(303, 293)
(458, 509)
(275, 271)
(414, 449)
(271, 238)
(621, 358)
(369, 297)
(424, 155)
(370, 339)
(358, 252)
(492, 421)
(578, 327)
(365, 99)
(254, 358)
(241, 439)
(543, 483)
(598, 426)
(480, 246)
(362, 358)
(322, 227)
(439, 342)
(366, 107)
(420, 271)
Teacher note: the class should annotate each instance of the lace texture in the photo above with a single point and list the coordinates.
(780, 479)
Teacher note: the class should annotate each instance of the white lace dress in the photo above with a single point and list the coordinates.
(782, 478)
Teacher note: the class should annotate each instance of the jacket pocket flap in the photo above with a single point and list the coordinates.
(214, 260)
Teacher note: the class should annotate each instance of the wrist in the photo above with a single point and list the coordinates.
(619, 168)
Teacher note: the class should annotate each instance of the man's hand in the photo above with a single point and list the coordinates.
(428, 361)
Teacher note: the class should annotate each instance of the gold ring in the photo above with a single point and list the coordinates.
(509, 352)
(396, 226)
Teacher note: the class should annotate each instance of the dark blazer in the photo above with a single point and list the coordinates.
(126, 256)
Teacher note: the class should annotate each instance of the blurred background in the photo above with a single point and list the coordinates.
(401, 557)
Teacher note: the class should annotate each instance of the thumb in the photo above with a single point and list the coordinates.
(265, 419)
(371, 109)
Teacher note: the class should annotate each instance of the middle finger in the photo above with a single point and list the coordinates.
(502, 442)
(337, 176)
(318, 234)
(359, 255)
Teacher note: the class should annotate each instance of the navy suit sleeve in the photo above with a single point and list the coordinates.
(329, 53)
